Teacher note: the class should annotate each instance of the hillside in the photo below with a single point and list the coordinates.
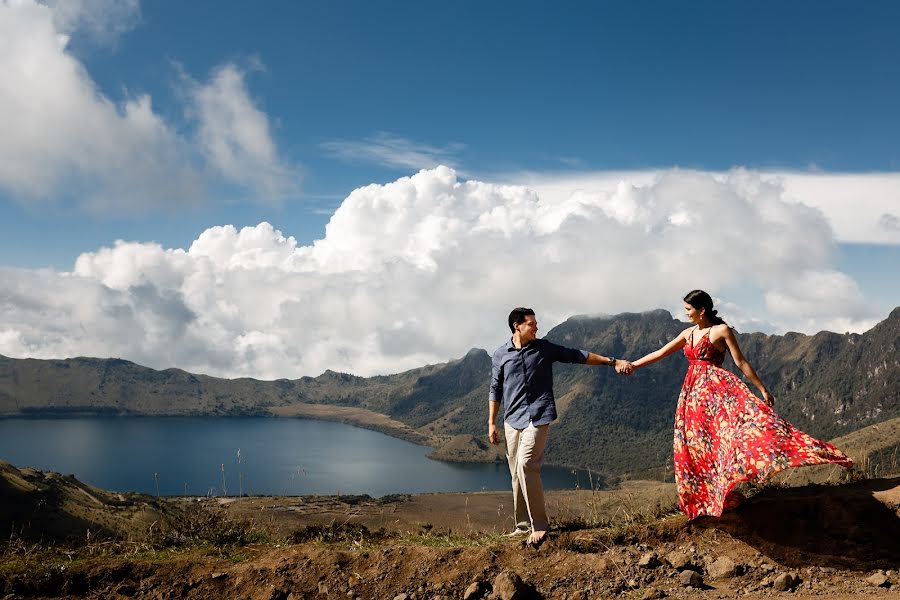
(44, 505)
(813, 541)
(827, 384)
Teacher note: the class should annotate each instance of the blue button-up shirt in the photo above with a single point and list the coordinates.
(522, 378)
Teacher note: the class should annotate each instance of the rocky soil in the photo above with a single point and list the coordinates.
(814, 541)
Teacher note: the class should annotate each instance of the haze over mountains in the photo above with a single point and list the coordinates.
(827, 384)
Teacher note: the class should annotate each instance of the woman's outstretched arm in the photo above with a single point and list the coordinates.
(744, 365)
(673, 346)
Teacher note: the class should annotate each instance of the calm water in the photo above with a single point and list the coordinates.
(260, 456)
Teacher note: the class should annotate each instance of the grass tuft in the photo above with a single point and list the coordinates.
(339, 533)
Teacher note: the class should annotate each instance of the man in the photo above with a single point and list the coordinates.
(522, 379)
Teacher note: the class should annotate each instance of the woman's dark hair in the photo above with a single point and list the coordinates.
(701, 300)
(517, 317)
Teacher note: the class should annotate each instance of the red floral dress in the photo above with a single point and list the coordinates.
(725, 435)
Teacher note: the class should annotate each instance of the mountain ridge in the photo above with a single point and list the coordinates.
(828, 384)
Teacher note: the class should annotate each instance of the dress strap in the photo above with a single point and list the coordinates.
(705, 335)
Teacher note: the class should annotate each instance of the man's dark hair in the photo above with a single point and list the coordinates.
(517, 317)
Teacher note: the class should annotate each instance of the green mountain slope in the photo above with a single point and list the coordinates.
(827, 384)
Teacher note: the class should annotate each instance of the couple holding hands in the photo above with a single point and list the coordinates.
(724, 434)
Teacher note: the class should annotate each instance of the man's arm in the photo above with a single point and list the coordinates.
(494, 399)
(571, 355)
(597, 359)
(493, 410)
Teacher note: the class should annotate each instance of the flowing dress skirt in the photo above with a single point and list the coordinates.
(725, 435)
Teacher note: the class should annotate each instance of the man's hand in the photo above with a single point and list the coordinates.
(493, 434)
(624, 367)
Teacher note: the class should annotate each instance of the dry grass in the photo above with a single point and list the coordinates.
(634, 502)
(353, 534)
(875, 450)
(188, 529)
(450, 539)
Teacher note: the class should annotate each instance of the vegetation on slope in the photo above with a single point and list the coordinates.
(827, 384)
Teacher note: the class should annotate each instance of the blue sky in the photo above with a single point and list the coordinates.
(155, 122)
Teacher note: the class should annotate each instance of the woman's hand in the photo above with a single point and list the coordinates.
(624, 367)
(768, 398)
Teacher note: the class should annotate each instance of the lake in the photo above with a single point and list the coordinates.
(231, 456)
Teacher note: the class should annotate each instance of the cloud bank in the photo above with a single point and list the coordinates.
(860, 207)
(426, 267)
(63, 137)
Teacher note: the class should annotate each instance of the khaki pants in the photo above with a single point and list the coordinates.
(525, 453)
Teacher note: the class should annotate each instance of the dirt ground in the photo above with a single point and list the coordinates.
(462, 513)
(833, 541)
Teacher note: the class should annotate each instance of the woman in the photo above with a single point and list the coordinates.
(723, 433)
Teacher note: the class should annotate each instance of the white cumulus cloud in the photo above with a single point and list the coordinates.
(421, 269)
(859, 207)
(235, 135)
(63, 138)
(60, 132)
(824, 299)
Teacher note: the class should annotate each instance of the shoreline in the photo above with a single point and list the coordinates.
(452, 449)
(464, 449)
(358, 417)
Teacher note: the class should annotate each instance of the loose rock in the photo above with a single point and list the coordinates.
(653, 594)
(723, 568)
(679, 560)
(649, 561)
(475, 590)
(509, 586)
(879, 580)
(691, 578)
(785, 582)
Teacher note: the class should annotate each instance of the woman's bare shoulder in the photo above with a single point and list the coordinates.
(720, 332)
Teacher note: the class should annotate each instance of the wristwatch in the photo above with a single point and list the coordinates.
(612, 361)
